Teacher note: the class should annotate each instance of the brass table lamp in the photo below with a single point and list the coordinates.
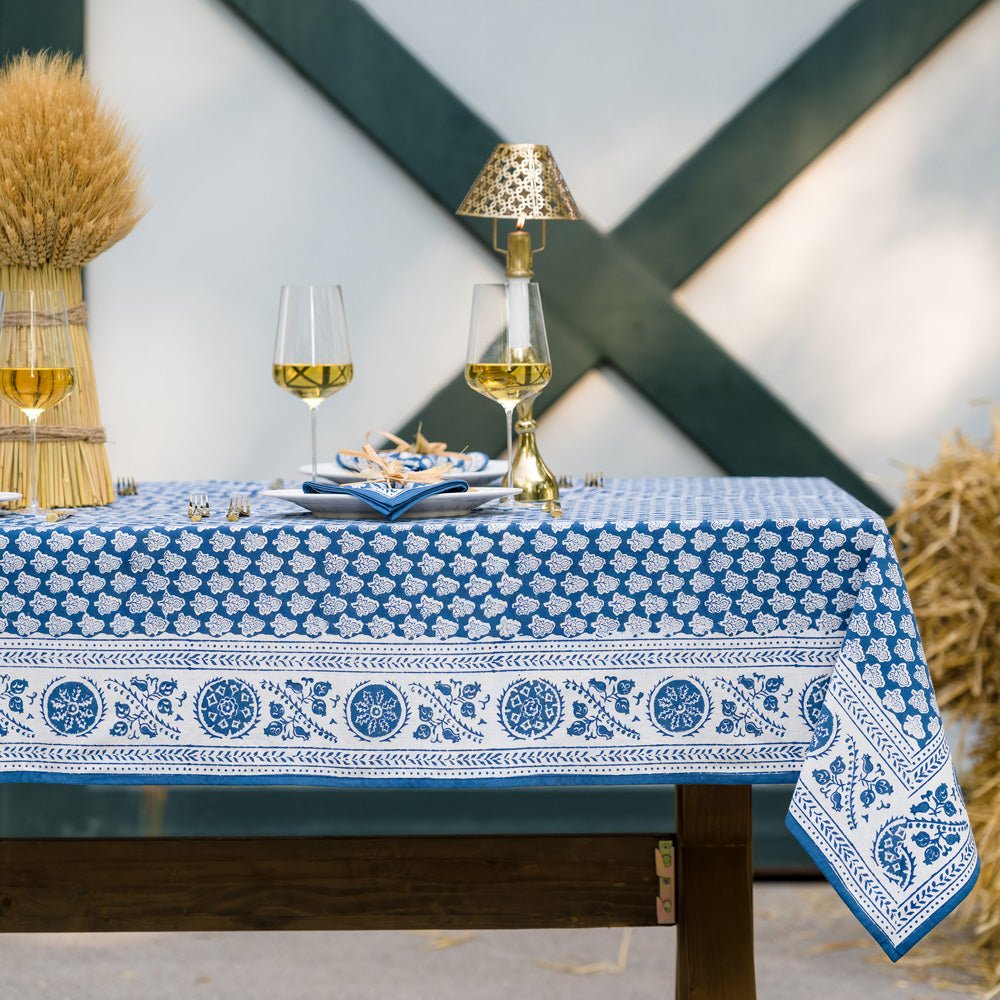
(520, 182)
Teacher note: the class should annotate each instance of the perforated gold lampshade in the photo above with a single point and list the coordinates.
(520, 181)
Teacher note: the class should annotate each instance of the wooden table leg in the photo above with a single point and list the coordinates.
(714, 893)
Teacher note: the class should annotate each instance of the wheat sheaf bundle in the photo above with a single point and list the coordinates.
(69, 187)
(948, 533)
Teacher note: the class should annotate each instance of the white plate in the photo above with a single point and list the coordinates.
(438, 505)
(334, 473)
(5, 497)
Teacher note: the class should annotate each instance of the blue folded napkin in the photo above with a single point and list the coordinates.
(392, 502)
(471, 461)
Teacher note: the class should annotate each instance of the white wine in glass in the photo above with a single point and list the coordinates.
(509, 383)
(34, 390)
(312, 357)
(508, 357)
(313, 383)
(36, 363)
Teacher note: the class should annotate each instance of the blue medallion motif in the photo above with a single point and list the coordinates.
(376, 711)
(530, 709)
(824, 732)
(72, 708)
(813, 697)
(227, 707)
(679, 707)
(818, 717)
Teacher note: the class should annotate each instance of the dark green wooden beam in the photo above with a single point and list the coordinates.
(783, 129)
(41, 24)
(617, 304)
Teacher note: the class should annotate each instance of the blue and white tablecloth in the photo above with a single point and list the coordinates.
(713, 630)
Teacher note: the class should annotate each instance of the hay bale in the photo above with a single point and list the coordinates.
(984, 811)
(947, 531)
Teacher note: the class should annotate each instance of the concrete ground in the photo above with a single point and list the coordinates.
(808, 946)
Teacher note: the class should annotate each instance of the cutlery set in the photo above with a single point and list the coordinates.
(199, 507)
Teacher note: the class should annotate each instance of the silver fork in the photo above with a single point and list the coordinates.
(198, 506)
(239, 506)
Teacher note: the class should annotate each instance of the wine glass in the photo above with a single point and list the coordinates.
(36, 363)
(508, 358)
(312, 358)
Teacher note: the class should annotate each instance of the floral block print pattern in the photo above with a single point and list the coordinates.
(728, 630)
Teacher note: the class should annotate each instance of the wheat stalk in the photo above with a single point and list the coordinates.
(69, 189)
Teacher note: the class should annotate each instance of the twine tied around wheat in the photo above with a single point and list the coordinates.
(25, 319)
(92, 435)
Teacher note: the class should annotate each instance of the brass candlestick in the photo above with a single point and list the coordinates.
(528, 469)
(521, 182)
(530, 472)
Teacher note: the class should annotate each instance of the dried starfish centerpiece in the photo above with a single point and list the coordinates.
(378, 468)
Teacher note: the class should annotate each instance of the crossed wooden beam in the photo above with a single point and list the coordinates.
(608, 296)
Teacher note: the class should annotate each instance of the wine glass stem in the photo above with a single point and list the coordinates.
(509, 413)
(33, 462)
(312, 427)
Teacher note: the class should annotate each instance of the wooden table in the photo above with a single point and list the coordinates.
(370, 883)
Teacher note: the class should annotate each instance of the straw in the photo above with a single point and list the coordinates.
(947, 530)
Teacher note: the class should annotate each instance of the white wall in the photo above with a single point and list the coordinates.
(255, 181)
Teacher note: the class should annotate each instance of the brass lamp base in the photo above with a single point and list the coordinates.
(530, 473)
